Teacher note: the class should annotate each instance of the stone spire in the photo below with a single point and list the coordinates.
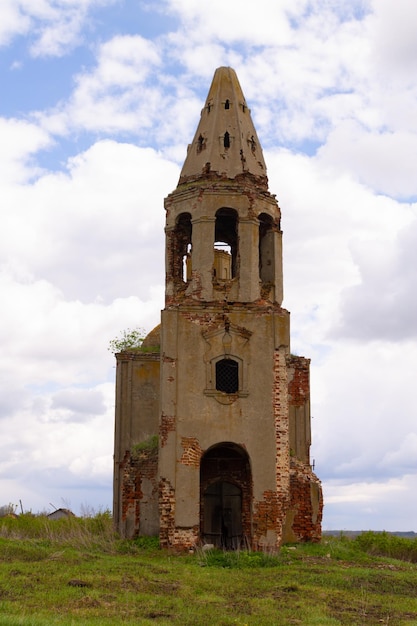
(225, 143)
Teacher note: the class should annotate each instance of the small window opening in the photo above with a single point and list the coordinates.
(243, 107)
(226, 140)
(201, 143)
(227, 104)
(227, 376)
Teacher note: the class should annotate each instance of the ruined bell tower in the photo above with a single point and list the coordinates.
(216, 382)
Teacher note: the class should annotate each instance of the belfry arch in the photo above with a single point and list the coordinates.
(226, 234)
(180, 247)
(225, 497)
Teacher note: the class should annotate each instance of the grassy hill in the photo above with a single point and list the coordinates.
(77, 572)
(410, 534)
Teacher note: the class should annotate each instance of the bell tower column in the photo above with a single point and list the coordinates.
(202, 256)
(278, 281)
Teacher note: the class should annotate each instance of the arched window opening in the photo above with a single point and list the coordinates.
(225, 247)
(181, 248)
(227, 376)
(267, 228)
(227, 104)
(226, 140)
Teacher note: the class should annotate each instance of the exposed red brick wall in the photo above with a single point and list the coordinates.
(280, 407)
(166, 513)
(299, 380)
(186, 538)
(171, 536)
(267, 516)
(136, 467)
(192, 452)
(166, 426)
(306, 502)
(207, 319)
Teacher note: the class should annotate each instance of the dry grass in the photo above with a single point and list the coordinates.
(78, 572)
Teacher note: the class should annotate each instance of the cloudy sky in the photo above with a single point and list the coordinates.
(99, 99)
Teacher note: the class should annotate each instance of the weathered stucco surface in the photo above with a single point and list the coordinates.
(217, 382)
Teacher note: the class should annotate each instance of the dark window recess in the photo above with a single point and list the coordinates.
(181, 248)
(226, 232)
(201, 143)
(227, 376)
(227, 104)
(226, 140)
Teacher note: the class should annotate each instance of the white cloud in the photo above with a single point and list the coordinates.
(326, 217)
(404, 455)
(374, 158)
(21, 140)
(84, 401)
(231, 21)
(371, 505)
(54, 26)
(59, 460)
(87, 263)
(118, 94)
(362, 399)
(12, 21)
(48, 341)
(394, 35)
(349, 258)
(384, 304)
(105, 215)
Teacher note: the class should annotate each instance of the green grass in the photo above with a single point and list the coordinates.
(78, 572)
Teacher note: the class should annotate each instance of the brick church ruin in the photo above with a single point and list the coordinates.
(212, 432)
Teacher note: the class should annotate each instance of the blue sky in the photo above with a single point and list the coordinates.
(99, 100)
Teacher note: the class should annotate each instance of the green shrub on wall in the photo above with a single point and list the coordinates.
(130, 339)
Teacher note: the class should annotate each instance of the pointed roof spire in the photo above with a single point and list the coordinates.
(225, 143)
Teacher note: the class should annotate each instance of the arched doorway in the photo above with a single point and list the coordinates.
(225, 497)
(222, 503)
